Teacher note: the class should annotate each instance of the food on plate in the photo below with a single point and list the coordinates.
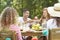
(36, 27)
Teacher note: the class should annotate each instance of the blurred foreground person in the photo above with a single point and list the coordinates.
(9, 21)
(54, 22)
(54, 12)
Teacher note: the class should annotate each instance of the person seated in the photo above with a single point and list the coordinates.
(25, 23)
(54, 22)
(35, 20)
(44, 18)
(9, 21)
(35, 24)
(43, 22)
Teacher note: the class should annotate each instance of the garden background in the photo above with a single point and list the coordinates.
(34, 6)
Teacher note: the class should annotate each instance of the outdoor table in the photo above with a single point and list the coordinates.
(30, 33)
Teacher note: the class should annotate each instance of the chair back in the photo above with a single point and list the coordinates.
(54, 34)
(7, 35)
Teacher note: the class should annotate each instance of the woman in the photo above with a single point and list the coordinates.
(9, 20)
(43, 22)
(54, 22)
(54, 12)
(44, 18)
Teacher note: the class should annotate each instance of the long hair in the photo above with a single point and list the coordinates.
(8, 16)
(42, 17)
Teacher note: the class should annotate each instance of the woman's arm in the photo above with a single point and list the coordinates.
(17, 30)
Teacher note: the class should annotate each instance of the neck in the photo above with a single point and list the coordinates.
(24, 18)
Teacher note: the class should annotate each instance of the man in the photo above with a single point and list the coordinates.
(24, 22)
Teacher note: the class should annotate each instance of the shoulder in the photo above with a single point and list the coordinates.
(14, 27)
(51, 23)
(20, 17)
(29, 18)
(50, 20)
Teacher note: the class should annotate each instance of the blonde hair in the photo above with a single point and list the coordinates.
(48, 16)
(42, 17)
(8, 16)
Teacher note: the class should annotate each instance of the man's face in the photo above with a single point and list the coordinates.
(26, 14)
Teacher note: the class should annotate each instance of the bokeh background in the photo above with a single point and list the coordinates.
(34, 6)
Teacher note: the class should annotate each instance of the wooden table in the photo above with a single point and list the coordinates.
(32, 33)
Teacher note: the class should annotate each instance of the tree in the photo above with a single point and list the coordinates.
(35, 6)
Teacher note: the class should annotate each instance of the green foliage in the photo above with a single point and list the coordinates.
(59, 1)
(35, 6)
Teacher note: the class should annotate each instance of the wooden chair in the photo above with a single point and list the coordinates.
(54, 34)
(7, 35)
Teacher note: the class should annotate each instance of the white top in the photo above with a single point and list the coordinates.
(51, 24)
(24, 26)
(44, 23)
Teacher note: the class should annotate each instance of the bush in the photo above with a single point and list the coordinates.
(35, 6)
